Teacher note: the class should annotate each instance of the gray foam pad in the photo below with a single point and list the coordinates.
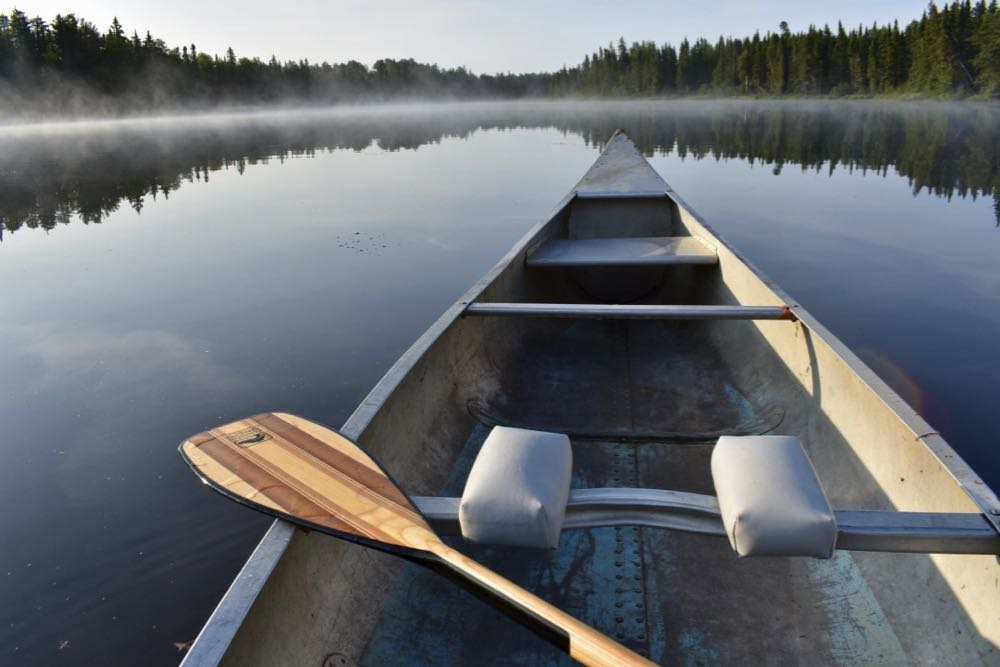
(518, 488)
(771, 500)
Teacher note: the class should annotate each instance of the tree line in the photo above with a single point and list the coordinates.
(949, 51)
(70, 64)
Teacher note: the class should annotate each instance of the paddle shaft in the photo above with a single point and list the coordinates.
(585, 644)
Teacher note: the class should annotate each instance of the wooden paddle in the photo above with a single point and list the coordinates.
(291, 468)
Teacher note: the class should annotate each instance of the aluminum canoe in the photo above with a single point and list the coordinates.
(626, 322)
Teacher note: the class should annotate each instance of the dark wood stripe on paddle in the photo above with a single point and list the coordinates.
(288, 499)
(335, 481)
(324, 498)
(333, 458)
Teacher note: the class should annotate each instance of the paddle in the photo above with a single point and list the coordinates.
(291, 468)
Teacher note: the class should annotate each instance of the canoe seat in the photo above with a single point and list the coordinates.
(770, 499)
(517, 491)
(635, 251)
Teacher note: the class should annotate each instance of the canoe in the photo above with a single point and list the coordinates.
(626, 323)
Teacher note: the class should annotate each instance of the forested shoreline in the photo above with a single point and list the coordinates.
(68, 65)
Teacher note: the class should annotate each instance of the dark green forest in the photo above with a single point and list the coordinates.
(69, 65)
(953, 51)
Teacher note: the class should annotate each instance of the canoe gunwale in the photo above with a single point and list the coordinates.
(213, 640)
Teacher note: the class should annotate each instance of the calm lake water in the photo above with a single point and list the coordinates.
(166, 276)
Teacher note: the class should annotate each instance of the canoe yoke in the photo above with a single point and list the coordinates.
(770, 503)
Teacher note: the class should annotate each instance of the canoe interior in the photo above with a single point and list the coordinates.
(643, 402)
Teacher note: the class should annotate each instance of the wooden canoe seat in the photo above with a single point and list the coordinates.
(636, 251)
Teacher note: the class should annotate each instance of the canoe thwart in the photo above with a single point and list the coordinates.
(918, 532)
(629, 312)
(632, 251)
(770, 503)
(857, 530)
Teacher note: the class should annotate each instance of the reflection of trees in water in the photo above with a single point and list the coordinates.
(947, 149)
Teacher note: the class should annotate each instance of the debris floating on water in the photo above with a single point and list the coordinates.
(358, 242)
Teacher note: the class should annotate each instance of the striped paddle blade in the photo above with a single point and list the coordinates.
(292, 468)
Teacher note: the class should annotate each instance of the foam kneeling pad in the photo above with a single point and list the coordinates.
(517, 491)
(771, 501)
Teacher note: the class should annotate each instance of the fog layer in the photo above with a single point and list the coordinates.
(56, 171)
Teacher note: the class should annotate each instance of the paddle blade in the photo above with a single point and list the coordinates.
(292, 468)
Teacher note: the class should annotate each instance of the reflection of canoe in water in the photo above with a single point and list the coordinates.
(626, 323)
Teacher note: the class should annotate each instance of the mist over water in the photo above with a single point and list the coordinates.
(56, 170)
(164, 275)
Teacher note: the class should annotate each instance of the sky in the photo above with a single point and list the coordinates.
(486, 37)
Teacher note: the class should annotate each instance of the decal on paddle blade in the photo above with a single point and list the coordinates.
(247, 437)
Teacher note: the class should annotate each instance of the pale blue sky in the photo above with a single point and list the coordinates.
(485, 36)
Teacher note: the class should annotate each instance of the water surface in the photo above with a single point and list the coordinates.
(165, 276)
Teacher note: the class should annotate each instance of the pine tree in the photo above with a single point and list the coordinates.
(684, 67)
(986, 40)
